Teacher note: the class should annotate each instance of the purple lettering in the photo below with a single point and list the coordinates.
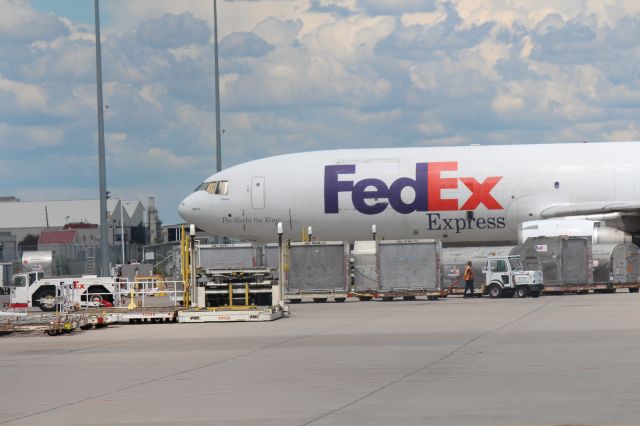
(419, 186)
(332, 186)
(361, 193)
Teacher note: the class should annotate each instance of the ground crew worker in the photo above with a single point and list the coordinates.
(468, 280)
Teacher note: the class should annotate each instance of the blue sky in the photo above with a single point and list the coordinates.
(299, 75)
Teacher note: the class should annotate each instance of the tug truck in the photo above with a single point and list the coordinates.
(32, 290)
(505, 276)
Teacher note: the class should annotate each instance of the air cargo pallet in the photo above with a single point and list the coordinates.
(406, 294)
(231, 314)
(586, 288)
(316, 296)
(51, 324)
(148, 315)
(459, 291)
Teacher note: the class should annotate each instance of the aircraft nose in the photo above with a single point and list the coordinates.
(185, 209)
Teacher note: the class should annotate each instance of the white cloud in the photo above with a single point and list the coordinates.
(302, 75)
(19, 23)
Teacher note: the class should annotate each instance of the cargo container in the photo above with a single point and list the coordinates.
(365, 269)
(407, 269)
(566, 261)
(317, 270)
(617, 264)
(227, 256)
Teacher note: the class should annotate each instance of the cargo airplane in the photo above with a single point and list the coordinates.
(462, 195)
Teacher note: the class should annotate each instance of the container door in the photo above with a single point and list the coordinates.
(575, 263)
(624, 184)
(257, 192)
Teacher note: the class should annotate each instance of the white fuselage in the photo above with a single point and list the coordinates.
(465, 194)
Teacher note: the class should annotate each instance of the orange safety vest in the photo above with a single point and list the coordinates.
(468, 273)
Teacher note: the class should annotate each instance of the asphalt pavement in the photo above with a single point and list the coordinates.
(555, 360)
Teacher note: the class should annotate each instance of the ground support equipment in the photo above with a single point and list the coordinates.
(406, 294)
(231, 314)
(316, 296)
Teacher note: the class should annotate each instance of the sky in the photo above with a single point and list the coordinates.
(298, 75)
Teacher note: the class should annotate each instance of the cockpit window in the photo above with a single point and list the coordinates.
(220, 187)
(223, 187)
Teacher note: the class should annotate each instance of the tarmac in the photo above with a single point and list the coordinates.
(555, 360)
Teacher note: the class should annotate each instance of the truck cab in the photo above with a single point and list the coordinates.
(19, 291)
(505, 276)
(31, 289)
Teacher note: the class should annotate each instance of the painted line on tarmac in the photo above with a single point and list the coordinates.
(427, 366)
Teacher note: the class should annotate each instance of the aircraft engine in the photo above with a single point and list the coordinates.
(599, 233)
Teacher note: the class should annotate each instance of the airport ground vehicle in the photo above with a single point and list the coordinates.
(505, 276)
(33, 290)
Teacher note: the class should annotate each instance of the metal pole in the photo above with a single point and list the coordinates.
(192, 259)
(280, 265)
(122, 231)
(104, 243)
(217, 78)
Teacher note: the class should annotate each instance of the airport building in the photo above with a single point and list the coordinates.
(70, 228)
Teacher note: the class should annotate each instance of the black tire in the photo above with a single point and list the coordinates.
(409, 298)
(522, 292)
(634, 290)
(495, 291)
(387, 298)
(365, 298)
(86, 327)
(294, 301)
(535, 293)
(94, 297)
(432, 297)
(340, 299)
(319, 299)
(49, 298)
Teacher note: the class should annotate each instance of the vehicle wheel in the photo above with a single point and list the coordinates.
(47, 301)
(522, 292)
(319, 299)
(535, 294)
(495, 291)
(295, 301)
(409, 298)
(633, 290)
(432, 297)
(387, 299)
(340, 299)
(364, 298)
(86, 327)
(95, 298)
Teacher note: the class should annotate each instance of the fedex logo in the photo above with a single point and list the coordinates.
(369, 195)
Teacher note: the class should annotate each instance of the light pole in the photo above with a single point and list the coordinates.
(104, 243)
(122, 231)
(217, 78)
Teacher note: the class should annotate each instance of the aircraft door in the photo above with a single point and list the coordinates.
(625, 184)
(257, 192)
